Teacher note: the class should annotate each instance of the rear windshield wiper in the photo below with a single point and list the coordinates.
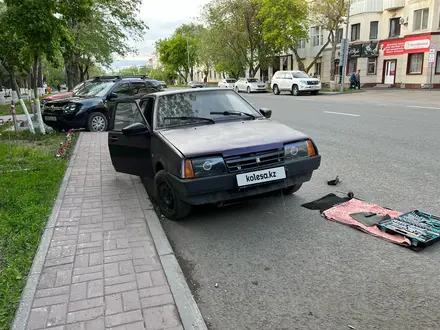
(232, 113)
(212, 121)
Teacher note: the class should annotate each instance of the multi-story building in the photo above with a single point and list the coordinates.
(392, 42)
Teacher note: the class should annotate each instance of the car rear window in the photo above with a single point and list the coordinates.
(252, 80)
(230, 80)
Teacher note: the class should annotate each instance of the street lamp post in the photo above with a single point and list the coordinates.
(345, 49)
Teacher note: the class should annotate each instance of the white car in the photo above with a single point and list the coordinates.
(250, 85)
(227, 83)
(295, 82)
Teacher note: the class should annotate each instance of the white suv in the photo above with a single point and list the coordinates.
(295, 82)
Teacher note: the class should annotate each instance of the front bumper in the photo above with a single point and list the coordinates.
(64, 121)
(224, 188)
(309, 88)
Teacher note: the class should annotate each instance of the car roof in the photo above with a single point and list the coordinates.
(189, 90)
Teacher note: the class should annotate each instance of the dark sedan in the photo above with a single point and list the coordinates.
(208, 146)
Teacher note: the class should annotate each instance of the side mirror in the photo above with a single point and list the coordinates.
(266, 112)
(112, 96)
(135, 129)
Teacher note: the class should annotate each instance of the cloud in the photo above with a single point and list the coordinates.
(163, 17)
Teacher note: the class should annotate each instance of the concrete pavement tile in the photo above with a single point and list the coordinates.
(163, 317)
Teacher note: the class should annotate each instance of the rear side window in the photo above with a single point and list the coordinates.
(139, 87)
(122, 89)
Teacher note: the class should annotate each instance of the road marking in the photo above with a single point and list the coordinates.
(342, 114)
(422, 107)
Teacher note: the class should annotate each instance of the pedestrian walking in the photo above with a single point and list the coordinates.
(59, 88)
(358, 79)
(353, 80)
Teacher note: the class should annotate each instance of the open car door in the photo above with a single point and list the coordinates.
(129, 141)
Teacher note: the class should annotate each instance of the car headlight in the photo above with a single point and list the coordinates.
(70, 108)
(203, 167)
(299, 150)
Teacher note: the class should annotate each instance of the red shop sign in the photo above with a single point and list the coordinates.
(414, 44)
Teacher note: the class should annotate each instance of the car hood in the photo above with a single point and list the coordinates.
(75, 99)
(231, 138)
(309, 79)
(58, 96)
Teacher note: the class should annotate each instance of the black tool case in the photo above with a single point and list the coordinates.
(421, 228)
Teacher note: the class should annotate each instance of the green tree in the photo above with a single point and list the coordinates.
(284, 24)
(330, 15)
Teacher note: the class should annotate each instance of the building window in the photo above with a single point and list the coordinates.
(437, 66)
(318, 68)
(371, 65)
(421, 19)
(355, 32)
(317, 36)
(374, 30)
(415, 63)
(352, 66)
(339, 35)
(302, 44)
(394, 27)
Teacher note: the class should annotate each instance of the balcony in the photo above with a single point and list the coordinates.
(393, 4)
(366, 6)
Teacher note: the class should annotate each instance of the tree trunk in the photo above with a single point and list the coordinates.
(40, 74)
(23, 105)
(37, 97)
(332, 61)
(35, 76)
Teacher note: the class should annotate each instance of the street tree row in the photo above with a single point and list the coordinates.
(236, 37)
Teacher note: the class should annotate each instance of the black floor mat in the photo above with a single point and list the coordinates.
(326, 202)
(370, 220)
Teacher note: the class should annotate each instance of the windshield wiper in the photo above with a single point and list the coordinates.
(232, 113)
(192, 118)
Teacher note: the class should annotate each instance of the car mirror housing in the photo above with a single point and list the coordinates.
(112, 96)
(267, 113)
(135, 129)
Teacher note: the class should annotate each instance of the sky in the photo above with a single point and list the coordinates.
(162, 17)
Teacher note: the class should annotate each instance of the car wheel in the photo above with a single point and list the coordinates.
(276, 90)
(248, 90)
(295, 90)
(315, 92)
(237, 90)
(169, 203)
(292, 189)
(97, 122)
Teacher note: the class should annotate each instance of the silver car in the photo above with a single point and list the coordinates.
(226, 83)
(250, 85)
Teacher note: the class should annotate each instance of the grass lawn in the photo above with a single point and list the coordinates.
(30, 176)
(5, 110)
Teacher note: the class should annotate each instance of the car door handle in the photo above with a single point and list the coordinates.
(113, 138)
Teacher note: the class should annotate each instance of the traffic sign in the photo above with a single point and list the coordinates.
(431, 58)
(432, 50)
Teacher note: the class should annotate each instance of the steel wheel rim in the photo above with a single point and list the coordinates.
(248, 90)
(98, 124)
(166, 197)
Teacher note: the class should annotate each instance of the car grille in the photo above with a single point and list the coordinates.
(254, 161)
(50, 108)
(312, 82)
(261, 86)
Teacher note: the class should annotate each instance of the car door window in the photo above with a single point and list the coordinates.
(127, 113)
(148, 107)
(139, 87)
(123, 89)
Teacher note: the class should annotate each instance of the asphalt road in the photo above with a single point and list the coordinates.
(280, 266)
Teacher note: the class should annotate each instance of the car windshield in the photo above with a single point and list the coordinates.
(97, 88)
(252, 80)
(200, 104)
(300, 74)
(230, 80)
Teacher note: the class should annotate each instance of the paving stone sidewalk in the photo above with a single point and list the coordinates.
(102, 270)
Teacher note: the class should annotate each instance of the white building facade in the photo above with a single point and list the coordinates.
(393, 42)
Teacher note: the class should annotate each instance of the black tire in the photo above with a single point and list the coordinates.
(292, 189)
(97, 122)
(294, 91)
(315, 92)
(249, 90)
(276, 90)
(169, 203)
(237, 90)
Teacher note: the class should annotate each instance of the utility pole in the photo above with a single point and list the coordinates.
(345, 50)
(187, 50)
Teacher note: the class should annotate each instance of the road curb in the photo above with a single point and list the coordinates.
(189, 312)
(27, 297)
